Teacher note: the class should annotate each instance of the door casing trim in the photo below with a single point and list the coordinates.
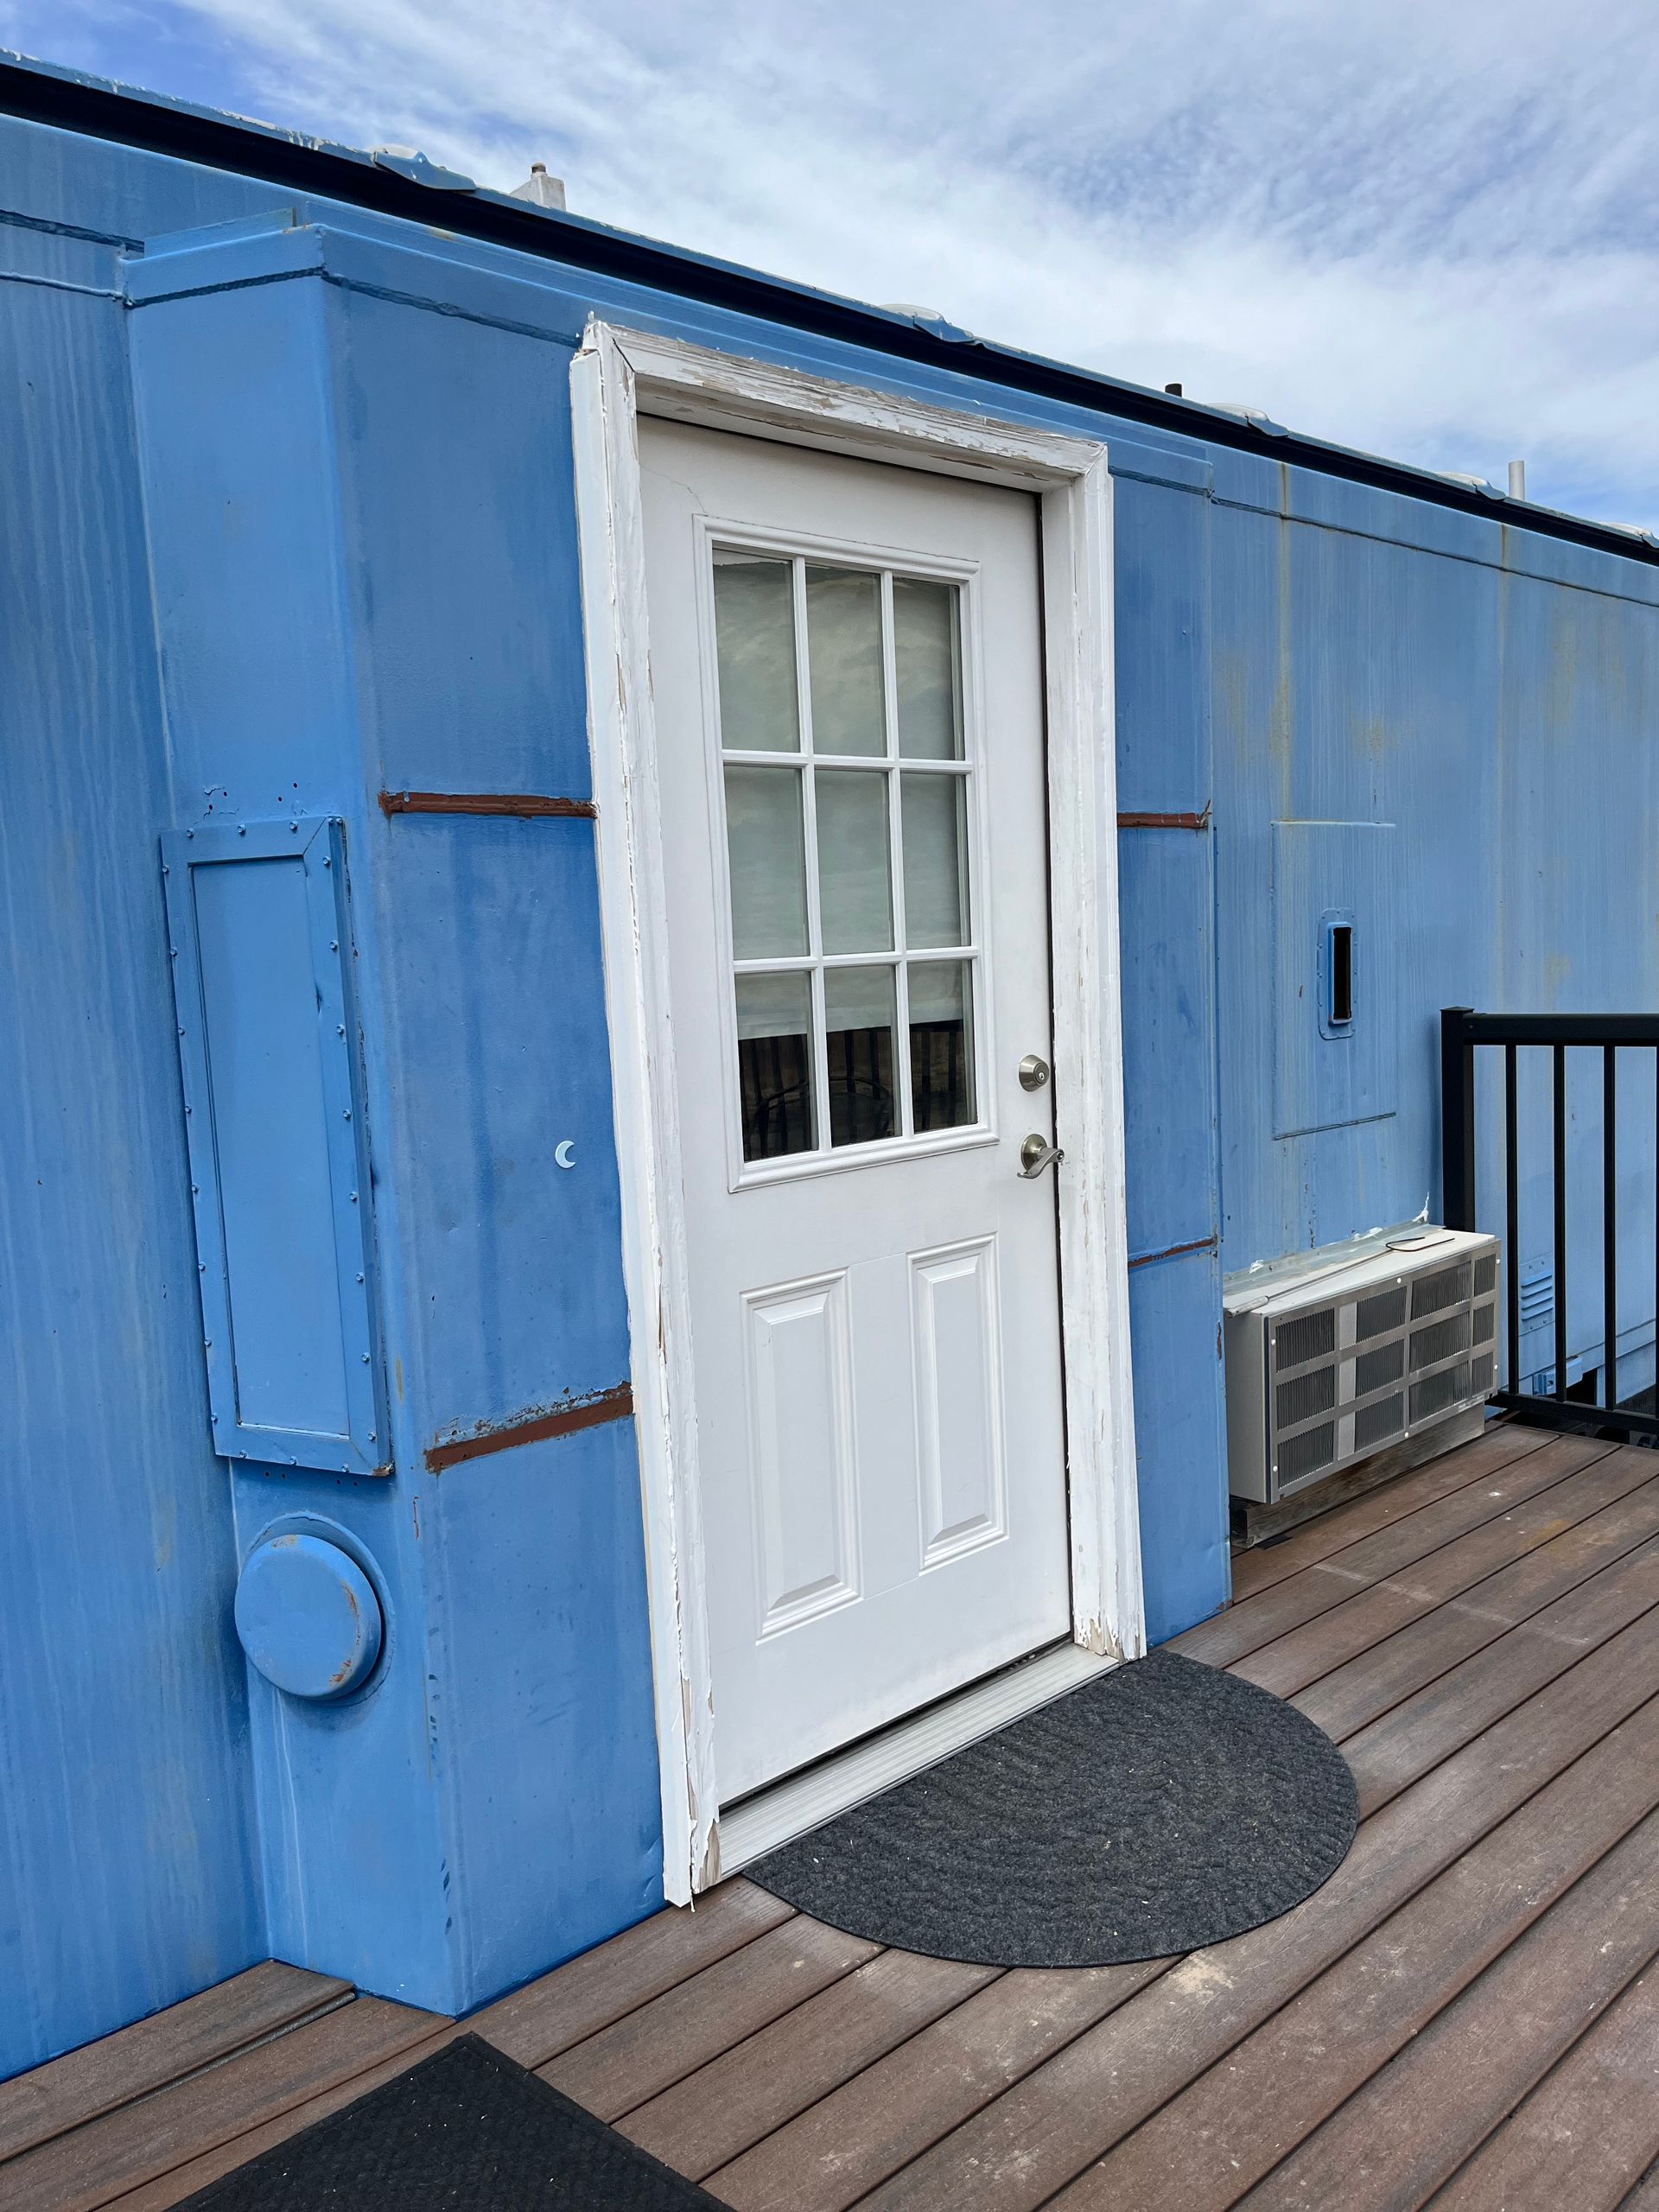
(618, 375)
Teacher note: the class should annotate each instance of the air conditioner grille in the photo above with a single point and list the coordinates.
(1313, 1386)
(1307, 1336)
(1436, 1293)
(1442, 1340)
(1376, 1424)
(1303, 1396)
(1304, 1455)
(1378, 1315)
(1373, 1370)
(1436, 1392)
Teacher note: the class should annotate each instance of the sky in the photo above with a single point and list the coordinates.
(1429, 228)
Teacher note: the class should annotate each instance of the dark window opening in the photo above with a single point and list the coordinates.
(1342, 973)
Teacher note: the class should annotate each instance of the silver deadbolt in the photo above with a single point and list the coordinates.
(1035, 1154)
(1033, 1071)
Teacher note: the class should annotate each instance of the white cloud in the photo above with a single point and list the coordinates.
(1426, 229)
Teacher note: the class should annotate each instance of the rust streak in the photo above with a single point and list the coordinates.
(563, 1421)
(524, 806)
(1165, 820)
(1146, 1259)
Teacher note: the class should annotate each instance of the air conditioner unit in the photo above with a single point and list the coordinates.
(1331, 1359)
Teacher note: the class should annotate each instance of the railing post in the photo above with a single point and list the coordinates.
(1456, 1120)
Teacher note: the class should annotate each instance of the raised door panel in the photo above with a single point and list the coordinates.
(957, 1360)
(800, 1442)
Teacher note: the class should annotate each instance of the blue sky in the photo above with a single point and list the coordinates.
(1430, 230)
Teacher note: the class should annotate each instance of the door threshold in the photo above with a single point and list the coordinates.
(778, 1813)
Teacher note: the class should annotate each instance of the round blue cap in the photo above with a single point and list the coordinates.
(308, 1615)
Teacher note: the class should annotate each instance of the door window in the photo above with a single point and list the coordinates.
(849, 803)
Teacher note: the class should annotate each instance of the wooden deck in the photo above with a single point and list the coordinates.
(1466, 2015)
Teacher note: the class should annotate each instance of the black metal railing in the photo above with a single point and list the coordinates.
(1461, 1032)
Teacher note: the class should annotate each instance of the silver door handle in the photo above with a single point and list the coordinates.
(1036, 1153)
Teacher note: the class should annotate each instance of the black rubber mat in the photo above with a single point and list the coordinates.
(1163, 1806)
(465, 2130)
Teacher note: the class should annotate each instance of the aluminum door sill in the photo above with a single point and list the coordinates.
(778, 1814)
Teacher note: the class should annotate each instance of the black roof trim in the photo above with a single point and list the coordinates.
(153, 124)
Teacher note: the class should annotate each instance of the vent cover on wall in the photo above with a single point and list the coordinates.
(1332, 1361)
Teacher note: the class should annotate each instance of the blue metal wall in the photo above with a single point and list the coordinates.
(295, 525)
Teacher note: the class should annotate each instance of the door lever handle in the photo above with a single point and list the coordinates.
(1036, 1153)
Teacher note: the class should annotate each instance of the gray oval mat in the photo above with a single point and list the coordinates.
(1158, 1808)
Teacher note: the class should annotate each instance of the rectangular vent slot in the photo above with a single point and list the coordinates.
(1308, 1336)
(1441, 1342)
(1485, 1319)
(1303, 1396)
(1305, 1454)
(1485, 1274)
(1481, 1373)
(1372, 1369)
(1436, 1293)
(1385, 1310)
(1437, 1392)
(1374, 1425)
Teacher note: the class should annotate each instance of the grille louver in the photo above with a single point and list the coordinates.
(1354, 1363)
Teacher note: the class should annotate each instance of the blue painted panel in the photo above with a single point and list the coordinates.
(545, 1731)
(1325, 875)
(128, 1875)
(277, 1132)
(1181, 1446)
(1165, 897)
(1161, 647)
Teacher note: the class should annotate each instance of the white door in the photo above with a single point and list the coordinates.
(846, 663)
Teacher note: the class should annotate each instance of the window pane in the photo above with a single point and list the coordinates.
(942, 1044)
(935, 829)
(768, 860)
(858, 1052)
(754, 632)
(843, 631)
(926, 660)
(855, 878)
(775, 1064)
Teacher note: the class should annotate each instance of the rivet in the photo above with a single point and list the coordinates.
(365, 1359)
(339, 1030)
(334, 944)
(353, 1198)
(189, 833)
(347, 1112)
(195, 1190)
(181, 1029)
(294, 828)
(173, 951)
(241, 829)
(359, 1278)
(327, 863)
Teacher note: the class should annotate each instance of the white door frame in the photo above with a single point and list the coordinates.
(617, 376)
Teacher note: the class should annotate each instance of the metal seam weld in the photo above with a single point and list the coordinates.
(564, 1420)
(523, 805)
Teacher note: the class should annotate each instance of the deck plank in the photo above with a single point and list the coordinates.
(652, 2048)
(181, 2181)
(94, 2080)
(546, 2017)
(1244, 1627)
(1587, 2133)
(873, 2125)
(714, 2115)
(1352, 1695)
(1304, 1547)
(138, 2142)
(1041, 2134)
(1290, 1662)
(1233, 2126)
(1567, 1651)
(1479, 2057)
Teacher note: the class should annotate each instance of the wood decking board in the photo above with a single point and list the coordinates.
(70, 2091)
(716, 2114)
(1359, 1623)
(1473, 2064)
(1320, 1539)
(1587, 2133)
(1227, 2130)
(547, 2016)
(1246, 1626)
(138, 2142)
(1363, 1688)
(1466, 2014)
(654, 2047)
